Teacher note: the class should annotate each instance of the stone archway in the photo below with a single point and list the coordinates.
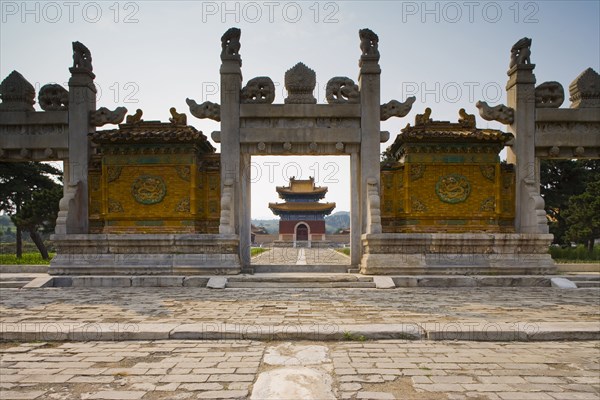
(251, 125)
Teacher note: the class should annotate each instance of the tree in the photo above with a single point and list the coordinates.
(560, 180)
(18, 183)
(39, 214)
(583, 216)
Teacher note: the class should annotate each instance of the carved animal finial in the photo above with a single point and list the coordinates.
(259, 90)
(466, 120)
(394, 108)
(500, 113)
(82, 58)
(341, 89)
(422, 119)
(230, 44)
(520, 53)
(135, 118)
(585, 90)
(17, 93)
(53, 97)
(178, 119)
(369, 43)
(104, 116)
(549, 95)
(205, 110)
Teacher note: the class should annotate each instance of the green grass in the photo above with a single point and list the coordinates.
(579, 254)
(345, 250)
(28, 258)
(254, 251)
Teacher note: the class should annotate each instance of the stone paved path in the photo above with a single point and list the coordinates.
(300, 306)
(417, 370)
(292, 256)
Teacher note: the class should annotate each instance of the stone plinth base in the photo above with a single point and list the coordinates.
(444, 253)
(145, 254)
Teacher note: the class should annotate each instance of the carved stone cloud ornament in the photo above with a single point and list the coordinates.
(549, 95)
(104, 116)
(394, 108)
(259, 90)
(500, 113)
(205, 110)
(341, 89)
(53, 97)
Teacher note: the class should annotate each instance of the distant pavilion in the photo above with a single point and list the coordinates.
(302, 217)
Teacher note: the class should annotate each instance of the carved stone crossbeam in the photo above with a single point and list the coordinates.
(103, 116)
(53, 97)
(585, 90)
(500, 113)
(17, 93)
(300, 82)
(394, 108)
(205, 110)
(341, 89)
(259, 90)
(549, 95)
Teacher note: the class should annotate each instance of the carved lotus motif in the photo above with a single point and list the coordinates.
(300, 83)
(17, 93)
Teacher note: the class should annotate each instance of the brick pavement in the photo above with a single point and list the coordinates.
(363, 370)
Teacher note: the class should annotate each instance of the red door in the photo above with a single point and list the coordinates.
(302, 232)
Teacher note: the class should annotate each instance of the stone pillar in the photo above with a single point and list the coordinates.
(82, 100)
(529, 212)
(231, 84)
(355, 226)
(245, 211)
(369, 82)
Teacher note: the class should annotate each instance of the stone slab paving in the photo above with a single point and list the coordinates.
(385, 369)
(293, 256)
(299, 306)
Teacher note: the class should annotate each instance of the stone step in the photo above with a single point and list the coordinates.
(587, 284)
(13, 284)
(299, 285)
(310, 268)
(298, 280)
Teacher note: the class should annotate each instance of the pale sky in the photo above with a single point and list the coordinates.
(153, 54)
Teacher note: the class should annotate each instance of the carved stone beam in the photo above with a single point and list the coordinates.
(103, 116)
(205, 110)
(396, 109)
(500, 113)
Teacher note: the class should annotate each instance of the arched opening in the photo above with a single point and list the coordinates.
(301, 232)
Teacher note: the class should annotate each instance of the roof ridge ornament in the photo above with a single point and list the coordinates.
(300, 82)
(585, 90)
(17, 93)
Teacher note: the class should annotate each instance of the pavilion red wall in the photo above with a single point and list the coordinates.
(315, 227)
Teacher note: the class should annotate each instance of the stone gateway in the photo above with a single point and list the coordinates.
(154, 197)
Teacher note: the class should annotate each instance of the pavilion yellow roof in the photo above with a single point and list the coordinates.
(301, 186)
(302, 206)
